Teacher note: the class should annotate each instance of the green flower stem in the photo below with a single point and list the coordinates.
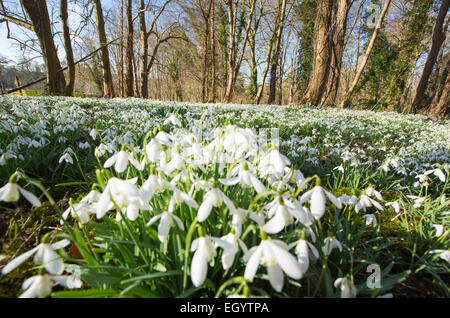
(186, 250)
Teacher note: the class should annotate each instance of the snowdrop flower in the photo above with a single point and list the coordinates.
(437, 172)
(93, 133)
(6, 156)
(120, 161)
(44, 255)
(230, 244)
(40, 286)
(10, 193)
(395, 206)
(439, 229)
(329, 244)
(418, 201)
(346, 200)
(100, 150)
(172, 119)
(348, 289)
(273, 163)
(214, 197)
(370, 219)
(316, 196)
(444, 254)
(367, 202)
(246, 179)
(176, 163)
(339, 168)
(302, 249)
(151, 186)
(125, 195)
(166, 222)
(275, 256)
(84, 145)
(178, 196)
(370, 191)
(66, 157)
(154, 148)
(282, 213)
(204, 251)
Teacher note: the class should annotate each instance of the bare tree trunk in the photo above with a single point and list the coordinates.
(144, 50)
(437, 40)
(38, 13)
(206, 12)
(292, 75)
(276, 53)
(349, 93)
(442, 107)
(108, 88)
(129, 51)
(337, 51)
(321, 58)
(68, 47)
(213, 52)
(121, 66)
(234, 62)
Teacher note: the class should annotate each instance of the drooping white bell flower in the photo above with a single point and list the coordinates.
(230, 244)
(120, 161)
(348, 289)
(316, 196)
(444, 254)
(395, 206)
(330, 243)
(246, 179)
(214, 197)
(151, 186)
(418, 201)
(370, 219)
(154, 149)
(367, 202)
(439, 229)
(166, 220)
(125, 195)
(437, 172)
(40, 286)
(10, 193)
(172, 119)
(273, 163)
(275, 256)
(83, 209)
(43, 255)
(204, 251)
(302, 249)
(66, 157)
(283, 213)
(178, 196)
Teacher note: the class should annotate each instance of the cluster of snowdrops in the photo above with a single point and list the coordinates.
(187, 213)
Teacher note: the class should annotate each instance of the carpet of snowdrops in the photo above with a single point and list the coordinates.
(161, 199)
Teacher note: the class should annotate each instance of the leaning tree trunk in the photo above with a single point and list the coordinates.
(276, 53)
(437, 40)
(349, 93)
(108, 88)
(442, 108)
(129, 89)
(38, 13)
(337, 51)
(321, 58)
(68, 47)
